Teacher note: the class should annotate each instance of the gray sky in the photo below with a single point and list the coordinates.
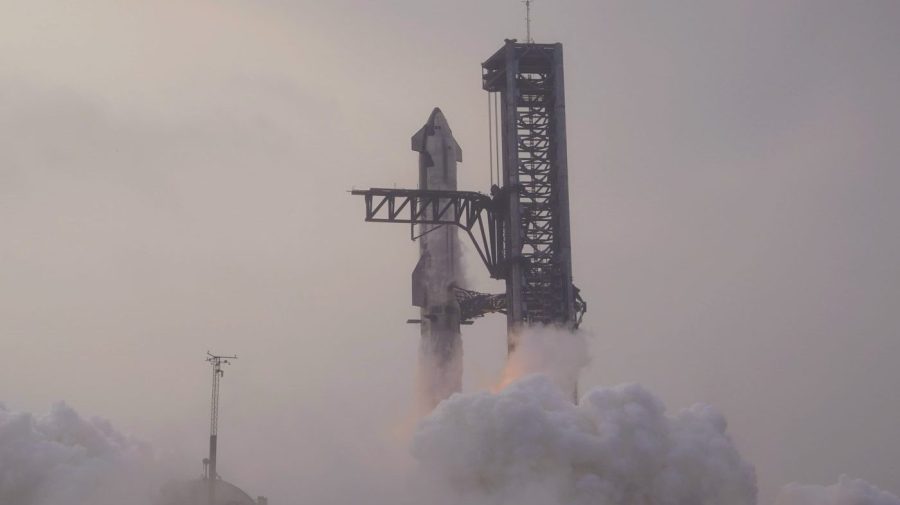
(173, 176)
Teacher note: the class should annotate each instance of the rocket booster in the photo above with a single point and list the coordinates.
(438, 269)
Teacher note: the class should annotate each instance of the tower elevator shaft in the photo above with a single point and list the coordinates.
(537, 238)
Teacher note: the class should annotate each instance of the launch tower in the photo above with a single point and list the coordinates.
(521, 231)
(534, 196)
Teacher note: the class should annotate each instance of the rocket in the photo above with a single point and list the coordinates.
(438, 270)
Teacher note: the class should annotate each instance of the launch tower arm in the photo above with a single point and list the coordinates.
(473, 304)
(473, 212)
(476, 213)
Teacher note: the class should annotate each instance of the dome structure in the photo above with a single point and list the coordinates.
(196, 492)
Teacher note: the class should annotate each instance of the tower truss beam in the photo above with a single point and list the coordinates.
(529, 79)
(471, 211)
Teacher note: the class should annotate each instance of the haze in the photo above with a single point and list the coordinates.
(173, 177)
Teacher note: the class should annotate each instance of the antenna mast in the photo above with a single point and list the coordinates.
(216, 362)
(528, 39)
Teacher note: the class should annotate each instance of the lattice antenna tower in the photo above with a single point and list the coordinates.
(528, 39)
(217, 363)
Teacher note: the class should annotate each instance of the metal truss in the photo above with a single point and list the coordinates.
(533, 115)
(580, 306)
(529, 79)
(468, 210)
(473, 212)
(473, 304)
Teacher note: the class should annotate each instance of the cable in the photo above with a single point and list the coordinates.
(497, 142)
(490, 140)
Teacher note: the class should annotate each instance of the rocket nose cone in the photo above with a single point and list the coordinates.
(436, 125)
(437, 119)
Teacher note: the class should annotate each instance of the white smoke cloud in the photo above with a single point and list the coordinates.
(63, 459)
(530, 444)
(557, 353)
(847, 491)
(439, 372)
(526, 444)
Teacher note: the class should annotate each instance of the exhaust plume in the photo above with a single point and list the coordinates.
(529, 444)
(557, 353)
(847, 491)
(63, 459)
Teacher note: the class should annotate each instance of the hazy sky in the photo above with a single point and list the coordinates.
(173, 177)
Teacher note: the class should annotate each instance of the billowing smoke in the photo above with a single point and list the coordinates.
(530, 444)
(440, 369)
(526, 443)
(559, 354)
(63, 459)
(847, 491)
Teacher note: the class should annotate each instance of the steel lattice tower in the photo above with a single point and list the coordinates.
(537, 239)
(216, 362)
